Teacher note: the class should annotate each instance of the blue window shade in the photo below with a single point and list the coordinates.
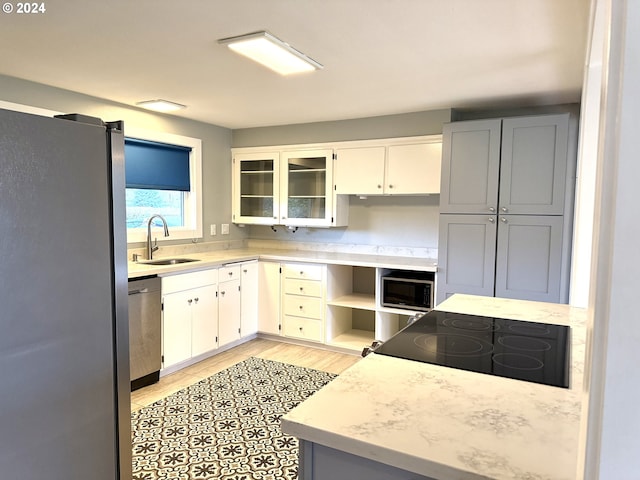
(156, 166)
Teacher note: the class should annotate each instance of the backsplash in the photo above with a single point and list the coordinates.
(187, 248)
(257, 244)
(420, 252)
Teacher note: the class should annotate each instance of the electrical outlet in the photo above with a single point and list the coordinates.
(212, 227)
(224, 229)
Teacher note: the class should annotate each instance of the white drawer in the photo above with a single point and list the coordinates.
(300, 306)
(303, 271)
(303, 328)
(229, 272)
(308, 288)
(186, 281)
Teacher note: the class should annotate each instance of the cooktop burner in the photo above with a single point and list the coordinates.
(535, 352)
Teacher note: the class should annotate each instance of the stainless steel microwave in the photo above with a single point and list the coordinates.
(408, 290)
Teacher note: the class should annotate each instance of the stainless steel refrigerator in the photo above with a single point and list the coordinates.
(64, 364)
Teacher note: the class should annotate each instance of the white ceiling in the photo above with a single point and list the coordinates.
(380, 56)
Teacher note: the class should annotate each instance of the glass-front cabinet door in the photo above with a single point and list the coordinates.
(306, 180)
(256, 194)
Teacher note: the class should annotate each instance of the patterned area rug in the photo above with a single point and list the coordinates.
(226, 427)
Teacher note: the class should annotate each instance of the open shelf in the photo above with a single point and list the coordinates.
(354, 339)
(350, 328)
(355, 317)
(362, 301)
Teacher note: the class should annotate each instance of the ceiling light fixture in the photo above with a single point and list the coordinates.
(273, 53)
(160, 105)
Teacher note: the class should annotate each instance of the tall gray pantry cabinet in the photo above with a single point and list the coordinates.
(506, 207)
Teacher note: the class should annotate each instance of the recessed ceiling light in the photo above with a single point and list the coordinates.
(273, 53)
(160, 105)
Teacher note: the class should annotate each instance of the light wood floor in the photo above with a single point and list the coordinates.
(315, 358)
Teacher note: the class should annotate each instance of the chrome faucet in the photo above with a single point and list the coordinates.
(153, 248)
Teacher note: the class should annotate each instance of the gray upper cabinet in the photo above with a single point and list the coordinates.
(506, 207)
(533, 166)
(470, 167)
(512, 165)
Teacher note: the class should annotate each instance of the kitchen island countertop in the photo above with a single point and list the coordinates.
(446, 423)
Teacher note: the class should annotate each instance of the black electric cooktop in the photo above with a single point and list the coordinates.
(535, 352)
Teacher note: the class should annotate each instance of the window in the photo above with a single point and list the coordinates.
(163, 173)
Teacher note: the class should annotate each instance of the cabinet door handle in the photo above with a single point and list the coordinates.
(300, 328)
(301, 289)
(196, 299)
(379, 186)
(390, 186)
(222, 293)
(189, 301)
(245, 270)
(504, 209)
(300, 307)
(231, 274)
(492, 209)
(503, 220)
(492, 220)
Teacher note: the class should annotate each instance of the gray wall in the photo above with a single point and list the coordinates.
(387, 126)
(216, 141)
(460, 114)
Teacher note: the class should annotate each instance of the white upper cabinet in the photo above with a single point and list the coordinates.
(404, 166)
(256, 182)
(360, 170)
(306, 188)
(291, 187)
(413, 168)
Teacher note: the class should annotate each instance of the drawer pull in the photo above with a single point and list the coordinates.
(300, 307)
(301, 289)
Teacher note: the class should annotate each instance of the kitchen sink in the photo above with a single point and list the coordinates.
(168, 261)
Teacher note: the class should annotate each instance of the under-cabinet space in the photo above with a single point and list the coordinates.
(351, 286)
(388, 324)
(354, 329)
(350, 328)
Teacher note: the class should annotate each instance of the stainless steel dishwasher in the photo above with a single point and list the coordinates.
(145, 319)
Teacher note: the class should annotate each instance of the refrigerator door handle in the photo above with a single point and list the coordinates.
(139, 291)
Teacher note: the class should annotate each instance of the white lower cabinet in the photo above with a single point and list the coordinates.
(303, 301)
(248, 298)
(337, 305)
(269, 298)
(190, 316)
(228, 304)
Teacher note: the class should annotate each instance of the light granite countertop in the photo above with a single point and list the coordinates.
(217, 258)
(446, 423)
